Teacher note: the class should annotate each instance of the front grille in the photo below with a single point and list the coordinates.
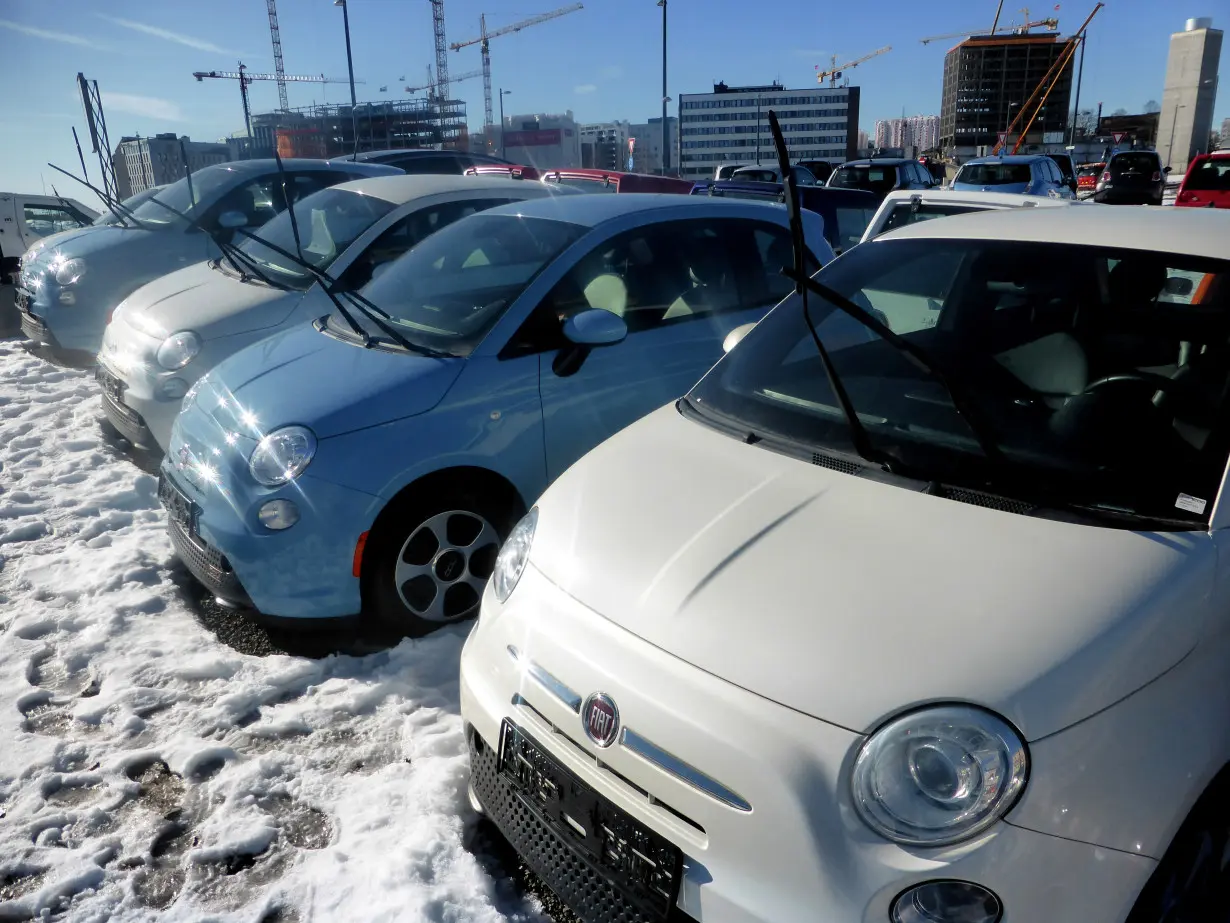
(128, 422)
(207, 564)
(584, 889)
(836, 464)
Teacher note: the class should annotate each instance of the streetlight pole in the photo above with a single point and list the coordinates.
(1170, 147)
(354, 124)
(503, 148)
(666, 154)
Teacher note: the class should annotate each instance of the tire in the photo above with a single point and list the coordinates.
(429, 557)
(1192, 880)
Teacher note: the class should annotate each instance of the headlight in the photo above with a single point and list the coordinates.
(68, 272)
(282, 455)
(178, 350)
(939, 775)
(513, 556)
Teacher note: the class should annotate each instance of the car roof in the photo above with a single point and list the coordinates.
(593, 210)
(1007, 158)
(973, 197)
(1135, 151)
(772, 189)
(403, 187)
(878, 162)
(263, 164)
(1189, 231)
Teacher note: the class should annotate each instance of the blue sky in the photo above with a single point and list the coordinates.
(603, 62)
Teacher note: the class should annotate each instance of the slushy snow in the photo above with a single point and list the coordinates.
(149, 771)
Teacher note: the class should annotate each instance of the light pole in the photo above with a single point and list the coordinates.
(354, 124)
(666, 153)
(1174, 121)
(503, 149)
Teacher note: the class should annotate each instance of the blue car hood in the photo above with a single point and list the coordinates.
(332, 386)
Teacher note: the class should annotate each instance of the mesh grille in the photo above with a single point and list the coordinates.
(990, 501)
(836, 464)
(127, 421)
(206, 564)
(584, 890)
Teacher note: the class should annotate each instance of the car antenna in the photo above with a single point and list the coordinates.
(858, 432)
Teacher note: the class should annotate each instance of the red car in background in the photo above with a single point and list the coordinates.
(591, 180)
(1207, 183)
(1087, 176)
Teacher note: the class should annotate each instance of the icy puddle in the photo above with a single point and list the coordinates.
(149, 771)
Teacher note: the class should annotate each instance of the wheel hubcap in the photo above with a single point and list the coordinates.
(444, 565)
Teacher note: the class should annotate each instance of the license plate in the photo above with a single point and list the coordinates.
(179, 508)
(645, 867)
(112, 386)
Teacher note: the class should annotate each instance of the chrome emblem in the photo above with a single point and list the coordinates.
(601, 719)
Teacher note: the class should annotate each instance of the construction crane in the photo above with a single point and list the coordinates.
(432, 83)
(283, 102)
(485, 37)
(834, 70)
(1012, 30)
(441, 79)
(1044, 87)
(245, 78)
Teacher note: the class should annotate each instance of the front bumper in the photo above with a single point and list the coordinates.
(800, 852)
(304, 572)
(74, 328)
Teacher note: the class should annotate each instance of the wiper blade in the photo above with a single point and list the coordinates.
(972, 419)
(383, 320)
(858, 432)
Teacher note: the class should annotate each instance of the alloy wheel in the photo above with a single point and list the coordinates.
(444, 564)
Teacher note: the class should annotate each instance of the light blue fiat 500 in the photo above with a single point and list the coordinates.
(373, 462)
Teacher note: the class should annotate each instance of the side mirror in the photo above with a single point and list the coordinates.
(733, 338)
(232, 220)
(595, 327)
(1165, 169)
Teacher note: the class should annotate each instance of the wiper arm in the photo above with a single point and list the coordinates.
(858, 432)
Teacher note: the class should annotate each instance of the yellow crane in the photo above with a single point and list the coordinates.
(485, 36)
(1011, 30)
(835, 70)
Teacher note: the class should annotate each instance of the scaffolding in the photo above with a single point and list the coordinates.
(330, 131)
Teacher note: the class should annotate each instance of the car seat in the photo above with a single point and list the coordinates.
(607, 292)
(707, 288)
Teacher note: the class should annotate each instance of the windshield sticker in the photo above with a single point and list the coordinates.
(1191, 504)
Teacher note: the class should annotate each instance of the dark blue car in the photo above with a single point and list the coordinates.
(846, 212)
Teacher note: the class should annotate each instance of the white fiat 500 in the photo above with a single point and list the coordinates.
(170, 332)
(942, 635)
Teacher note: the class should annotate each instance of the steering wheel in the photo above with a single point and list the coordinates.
(1156, 382)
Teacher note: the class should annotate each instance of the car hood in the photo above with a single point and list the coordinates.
(851, 600)
(305, 376)
(211, 302)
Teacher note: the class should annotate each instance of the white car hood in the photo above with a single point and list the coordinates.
(851, 600)
(208, 301)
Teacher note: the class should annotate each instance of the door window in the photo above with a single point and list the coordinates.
(405, 233)
(43, 220)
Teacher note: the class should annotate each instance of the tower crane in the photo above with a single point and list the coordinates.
(834, 70)
(485, 37)
(284, 104)
(433, 83)
(245, 78)
(437, 22)
(1013, 30)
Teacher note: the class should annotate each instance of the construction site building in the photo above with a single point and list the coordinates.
(989, 78)
(335, 130)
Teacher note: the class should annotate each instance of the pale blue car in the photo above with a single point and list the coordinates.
(330, 470)
(1025, 174)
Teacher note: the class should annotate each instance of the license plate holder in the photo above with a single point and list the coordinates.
(644, 866)
(111, 386)
(179, 508)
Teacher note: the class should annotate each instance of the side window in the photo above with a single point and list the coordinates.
(406, 233)
(851, 223)
(776, 253)
(51, 219)
(257, 201)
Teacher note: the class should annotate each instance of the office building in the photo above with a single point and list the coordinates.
(731, 124)
(919, 133)
(541, 140)
(989, 78)
(140, 163)
(604, 145)
(1189, 94)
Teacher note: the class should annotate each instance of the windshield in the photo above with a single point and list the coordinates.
(1144, 162)
(584, 183)
(874, 179)
(1100, 374)
(1091, 170)
(1211, 176)
(191, 200)
(993, 174)
(756, 175)
(447, 292)
(908, 213)
(329, 221)
(129, 204)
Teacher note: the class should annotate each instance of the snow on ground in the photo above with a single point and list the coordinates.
(147, 770)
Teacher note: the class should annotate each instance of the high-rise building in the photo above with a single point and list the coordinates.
(988, 78)
(604, 145)
(140, 163)
(731, 124)
(647, 149)
(1189, 94)
(914, 134)
(540, 140)
(864, 141)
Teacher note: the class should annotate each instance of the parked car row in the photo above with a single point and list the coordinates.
(901, 598)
